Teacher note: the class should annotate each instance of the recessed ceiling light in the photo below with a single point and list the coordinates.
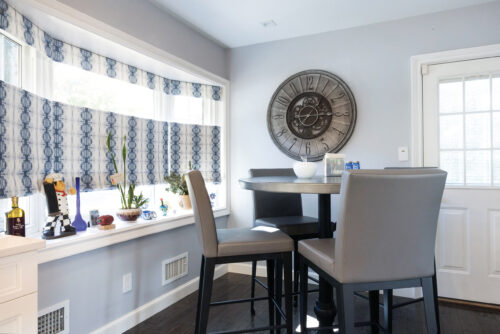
(269, 24)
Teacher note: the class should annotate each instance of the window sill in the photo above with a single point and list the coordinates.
(93, 238)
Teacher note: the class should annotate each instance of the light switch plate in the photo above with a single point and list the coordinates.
(403, 153)
(127, 283)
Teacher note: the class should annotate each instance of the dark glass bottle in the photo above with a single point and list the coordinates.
(15, 220)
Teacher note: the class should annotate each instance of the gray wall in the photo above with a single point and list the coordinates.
(373, 60)
(92, 281)
(145, 21)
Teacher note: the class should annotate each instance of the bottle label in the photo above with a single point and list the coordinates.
(16, 226)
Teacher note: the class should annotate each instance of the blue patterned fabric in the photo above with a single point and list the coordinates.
(196, 90)
(132, 74)
(111, 67)
(216, 93)
(28, 32)
(86, 61)
(151, 80)
(39, 137)
(175, 90)
(4, 15)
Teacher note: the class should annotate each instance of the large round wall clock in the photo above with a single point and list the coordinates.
(311, 113)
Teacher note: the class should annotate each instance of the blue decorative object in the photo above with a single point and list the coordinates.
(78, 223)
(212, 199)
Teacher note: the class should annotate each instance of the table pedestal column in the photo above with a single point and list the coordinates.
(325, 307)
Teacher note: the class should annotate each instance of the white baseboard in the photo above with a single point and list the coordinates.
(246, 269)
(156, 305)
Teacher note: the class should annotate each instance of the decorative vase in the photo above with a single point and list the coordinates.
(185, 202)
(164, 209)
(129, 215)
(78, 223)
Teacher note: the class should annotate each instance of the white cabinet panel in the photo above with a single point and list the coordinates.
(16, 316)
(18, 276)
(453, 240)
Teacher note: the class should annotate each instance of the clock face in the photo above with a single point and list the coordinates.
(311, 113)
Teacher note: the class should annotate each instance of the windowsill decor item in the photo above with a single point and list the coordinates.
(177, 185)
(304, 169)
(333, 164)
(163, 207)
(57, 204)
(78, 223)
(131, 203)
(105, 222)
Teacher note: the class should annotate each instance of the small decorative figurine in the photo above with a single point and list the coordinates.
(105, 222)
(148, 214)
(163, 207)
(78, 223)
(94, 214)
(57, 203)
(212, 199)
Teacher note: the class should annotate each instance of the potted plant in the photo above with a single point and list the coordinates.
(131, 203)
(177, 185)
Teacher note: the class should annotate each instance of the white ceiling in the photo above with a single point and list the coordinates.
(235, 23)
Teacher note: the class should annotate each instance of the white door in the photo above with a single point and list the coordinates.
(461, 127)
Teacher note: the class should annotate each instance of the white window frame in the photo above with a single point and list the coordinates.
(419, 67)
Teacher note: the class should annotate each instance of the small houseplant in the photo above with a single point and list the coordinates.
(131, 203)
(177, 185)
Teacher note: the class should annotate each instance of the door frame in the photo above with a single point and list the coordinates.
(419, 66)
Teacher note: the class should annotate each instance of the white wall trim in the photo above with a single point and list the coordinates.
(419, 62)
(154, 306)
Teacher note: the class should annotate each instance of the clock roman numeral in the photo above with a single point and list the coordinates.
(283, 100)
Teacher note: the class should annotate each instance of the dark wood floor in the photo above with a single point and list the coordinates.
(180, 317)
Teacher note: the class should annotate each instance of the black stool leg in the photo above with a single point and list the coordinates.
(296, 271)
(429, 305)
(374, 310)
(270, 292)
(200, 291)
(252, 291)
(303, 295)
(208, 278)
(345, 301)
(287, 264)
(388, 310)
(436, 302)
(279, 290)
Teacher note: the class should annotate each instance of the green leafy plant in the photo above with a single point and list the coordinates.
(177, 184)
(128, 198)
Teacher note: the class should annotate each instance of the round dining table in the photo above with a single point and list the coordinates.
(322, 186)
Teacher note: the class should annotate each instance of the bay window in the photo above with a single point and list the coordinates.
(45, 71)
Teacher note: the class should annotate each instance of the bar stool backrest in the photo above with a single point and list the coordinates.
(387, 222)
(203, 214)
(267, 204)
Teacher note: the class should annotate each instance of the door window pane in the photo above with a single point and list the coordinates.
(496, 167)
(450, 97)
(453, 163)
(451, 131)
(478, 167)
(477, 130)
(477, 94)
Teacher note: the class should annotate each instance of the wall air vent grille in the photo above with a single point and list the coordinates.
(54, 319)
(174, 268)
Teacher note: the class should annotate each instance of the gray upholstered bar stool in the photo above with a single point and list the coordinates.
(385, 239)
(284, 212)
(236, 245)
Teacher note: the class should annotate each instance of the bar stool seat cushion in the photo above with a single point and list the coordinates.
(321, 252)
(291, 225)
(246, 241)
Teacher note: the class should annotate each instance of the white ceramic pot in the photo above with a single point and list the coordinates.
(305, 170)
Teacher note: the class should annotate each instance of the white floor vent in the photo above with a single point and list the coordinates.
(174, 268)
(54, 319)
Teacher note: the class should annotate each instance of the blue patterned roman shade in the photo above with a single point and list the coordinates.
(39, 136)
(15, 23)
